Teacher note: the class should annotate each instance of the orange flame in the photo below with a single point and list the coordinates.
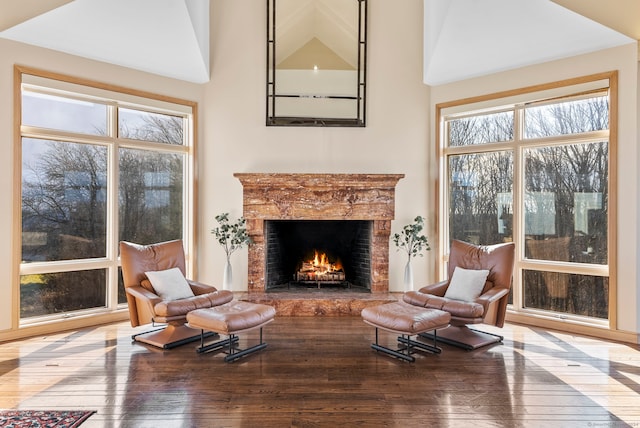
(321, 264)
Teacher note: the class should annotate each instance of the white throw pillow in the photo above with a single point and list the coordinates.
(466, 284)
(170, 284)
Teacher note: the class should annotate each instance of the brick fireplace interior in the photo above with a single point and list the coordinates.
(348, 215)
(330, 254)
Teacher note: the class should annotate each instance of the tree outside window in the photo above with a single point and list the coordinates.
(558, 213)
(69, 153)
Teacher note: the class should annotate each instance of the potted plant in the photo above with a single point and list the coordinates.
(413, 242)
(232, 236)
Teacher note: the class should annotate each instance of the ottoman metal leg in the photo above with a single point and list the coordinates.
(234, 354)
(230, 341)
(409, 344)
(393, 352)
(424, 346)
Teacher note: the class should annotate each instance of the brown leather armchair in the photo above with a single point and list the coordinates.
(147, 307)
(488, 308)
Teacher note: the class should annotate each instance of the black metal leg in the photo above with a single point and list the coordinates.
(499, 337)
(422, 346)
(233, 353)
(394, 353)
(404, 352)
(133, 336)
(217, 345)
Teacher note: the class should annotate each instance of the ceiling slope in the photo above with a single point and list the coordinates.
(17, 11)
(462, 38)
(470, 38)
(621, 15)
(165, 37)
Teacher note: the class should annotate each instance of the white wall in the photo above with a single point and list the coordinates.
(235, 137)
(623, 59)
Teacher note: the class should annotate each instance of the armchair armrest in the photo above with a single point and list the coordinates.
(142, 294)
(491, 296)
(437, 289)
(494, 302)
(221, 296)
(141, 304)
(199, 288)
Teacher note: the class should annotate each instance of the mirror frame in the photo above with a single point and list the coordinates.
(273, 119)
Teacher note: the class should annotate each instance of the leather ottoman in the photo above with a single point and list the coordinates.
(230, 319)
(406, 320)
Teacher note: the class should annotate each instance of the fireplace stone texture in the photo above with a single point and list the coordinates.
(291, 196)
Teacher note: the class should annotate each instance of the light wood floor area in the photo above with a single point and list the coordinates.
(321, 372)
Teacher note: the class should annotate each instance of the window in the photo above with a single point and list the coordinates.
(98, 166)
(535, 168)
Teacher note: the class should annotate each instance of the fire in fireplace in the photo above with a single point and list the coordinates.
(320, 269)
(318, 253)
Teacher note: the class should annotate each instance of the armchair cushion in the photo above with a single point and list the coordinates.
(170, 284)
(466, 284)
(456, 308)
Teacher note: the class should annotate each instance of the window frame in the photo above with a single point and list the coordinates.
(570, 89)
(114, 97)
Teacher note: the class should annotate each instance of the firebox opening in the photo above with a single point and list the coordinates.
(318, 254)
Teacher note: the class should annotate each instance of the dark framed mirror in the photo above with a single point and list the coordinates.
(316, 62)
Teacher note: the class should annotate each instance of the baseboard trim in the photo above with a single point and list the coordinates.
(62, 325)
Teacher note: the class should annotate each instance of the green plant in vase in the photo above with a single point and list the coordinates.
(231, 236)
(413, 242)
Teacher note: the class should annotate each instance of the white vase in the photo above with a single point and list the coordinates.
(408, 276)
(227, 279)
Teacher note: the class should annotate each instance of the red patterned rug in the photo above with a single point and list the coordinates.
(43, 418)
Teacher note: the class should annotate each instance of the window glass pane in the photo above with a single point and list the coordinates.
(480, 207)
(569, 117)
(145, 126)
(63, 200)
(151, 196)
(583, 295)
(566, 202)
(64, 114)
(52, 293)
(481, 129)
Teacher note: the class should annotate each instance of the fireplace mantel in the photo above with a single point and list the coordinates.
(291, 196)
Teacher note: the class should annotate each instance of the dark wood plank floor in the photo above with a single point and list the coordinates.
(321, 372)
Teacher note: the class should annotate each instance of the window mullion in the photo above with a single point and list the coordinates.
(518, 204)
(112, 211)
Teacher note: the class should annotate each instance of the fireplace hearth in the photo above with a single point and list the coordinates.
(349, 213)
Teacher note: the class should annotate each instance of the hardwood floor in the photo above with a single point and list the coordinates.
(321, 372)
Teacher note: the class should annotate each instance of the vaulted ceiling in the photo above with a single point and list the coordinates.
(463, 38)
(165, 37)
(469, 38)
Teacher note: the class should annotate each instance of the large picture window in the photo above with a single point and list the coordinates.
(535, 168)
(97, 166)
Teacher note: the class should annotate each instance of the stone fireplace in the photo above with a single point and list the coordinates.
(285, 203)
